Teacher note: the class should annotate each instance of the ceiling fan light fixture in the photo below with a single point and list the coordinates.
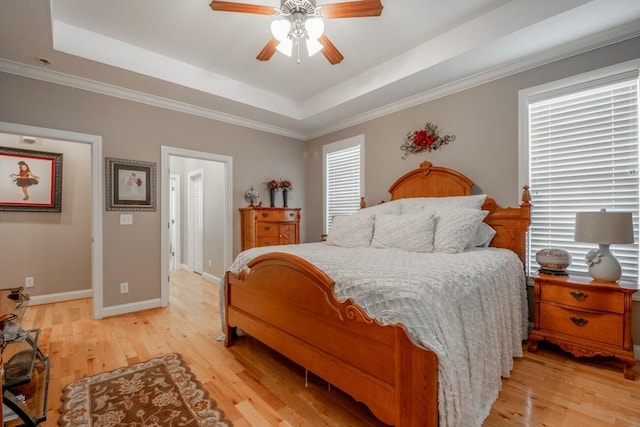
(313, 46)
(314, 27)
(285, 47)
(280, 29)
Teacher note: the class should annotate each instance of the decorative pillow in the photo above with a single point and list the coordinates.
(483, 237)
(386, 208)
(412, 233)
(350, 231)
(455, 228)
(416, 204)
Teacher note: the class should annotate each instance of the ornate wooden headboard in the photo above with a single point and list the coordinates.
(511, 224)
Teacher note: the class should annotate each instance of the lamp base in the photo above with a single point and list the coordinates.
(607, 268)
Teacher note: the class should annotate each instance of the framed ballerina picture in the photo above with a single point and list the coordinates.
(30, 181)
(131, 185)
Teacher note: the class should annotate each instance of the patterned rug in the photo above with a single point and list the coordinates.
(159, 392)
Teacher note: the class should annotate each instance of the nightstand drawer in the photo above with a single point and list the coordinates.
(276, 215)
(602, 327)
(592, 299)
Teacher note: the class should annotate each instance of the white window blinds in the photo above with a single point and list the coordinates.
(343, 178)
(583, 156)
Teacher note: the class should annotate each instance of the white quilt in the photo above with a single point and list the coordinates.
(469, 308)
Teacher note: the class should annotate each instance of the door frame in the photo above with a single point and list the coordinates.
(191, 211)
(96, 199)
(227, 246)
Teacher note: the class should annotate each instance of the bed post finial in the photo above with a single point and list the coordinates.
(426, 167)
(526, 196)
(363, 203)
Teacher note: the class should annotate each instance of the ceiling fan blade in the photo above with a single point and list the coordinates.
(228, 6)
(352, 9)
(329, 51)
(268, 50)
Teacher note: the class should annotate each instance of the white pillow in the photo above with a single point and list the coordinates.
(456, 228)
(350, 231)
(386, 208)
(416, 204)
(483, 237)
(412, 233)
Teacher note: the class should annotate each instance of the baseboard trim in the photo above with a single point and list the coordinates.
(212, 278)
(186, 268)
(117, 310)
(636, 351)
(59, 297)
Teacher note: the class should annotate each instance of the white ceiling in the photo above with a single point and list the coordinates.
(183, 55)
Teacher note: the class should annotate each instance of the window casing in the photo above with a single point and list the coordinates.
(343, 177)
(579, 153)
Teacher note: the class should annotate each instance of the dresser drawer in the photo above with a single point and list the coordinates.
(276, 215)
(602, 327)
(592, 299)
(267, 229)
(267, 241)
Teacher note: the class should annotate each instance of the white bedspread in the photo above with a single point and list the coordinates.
(469, 308)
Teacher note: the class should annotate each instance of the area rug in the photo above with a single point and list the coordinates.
(159, 392)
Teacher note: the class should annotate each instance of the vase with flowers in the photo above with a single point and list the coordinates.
(286, 186)
(273, 186)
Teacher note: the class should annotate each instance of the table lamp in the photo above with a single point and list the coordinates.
(604, 228)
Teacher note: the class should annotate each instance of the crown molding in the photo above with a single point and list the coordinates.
(583, 45)
(76, 82)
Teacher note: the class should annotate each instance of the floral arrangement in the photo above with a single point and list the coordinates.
(426, 139)
(272, 184)
(285, 184)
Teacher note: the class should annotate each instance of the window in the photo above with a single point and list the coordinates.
(343, 177)
(581, 147)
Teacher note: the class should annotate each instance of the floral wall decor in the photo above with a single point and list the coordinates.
(426, 139)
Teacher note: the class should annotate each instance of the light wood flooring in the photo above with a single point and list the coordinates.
(256, 387)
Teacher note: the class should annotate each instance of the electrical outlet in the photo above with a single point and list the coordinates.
(209, 263)
(124, 287)
(29, 282)
(126, 219)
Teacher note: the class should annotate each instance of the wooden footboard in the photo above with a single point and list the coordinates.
(289, 304)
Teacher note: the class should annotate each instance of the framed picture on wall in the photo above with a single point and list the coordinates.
(131, 185)
(30, 181)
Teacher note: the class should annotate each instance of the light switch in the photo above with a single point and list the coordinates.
(126, 219)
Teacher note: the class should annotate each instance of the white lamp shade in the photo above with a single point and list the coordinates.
(314, 27)
(313, 46)
(280, 29)
(285, 47)
(604, 227)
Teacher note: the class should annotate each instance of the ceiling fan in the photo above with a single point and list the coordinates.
(299, 21)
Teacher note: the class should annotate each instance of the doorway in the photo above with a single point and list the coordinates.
(224, 204)
(95, 142)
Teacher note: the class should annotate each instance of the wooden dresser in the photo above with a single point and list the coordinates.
(269, 226)
(584, 317)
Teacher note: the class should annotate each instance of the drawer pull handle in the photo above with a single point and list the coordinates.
(267, 243)
(578, 295)
(267, 227)
(291, 214)
(578, 321)
(265, 214)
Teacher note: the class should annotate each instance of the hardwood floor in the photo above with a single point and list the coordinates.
(257, 387)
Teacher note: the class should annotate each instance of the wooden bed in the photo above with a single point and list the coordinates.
(289, 304)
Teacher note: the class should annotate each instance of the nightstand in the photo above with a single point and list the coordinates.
(584, 317)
